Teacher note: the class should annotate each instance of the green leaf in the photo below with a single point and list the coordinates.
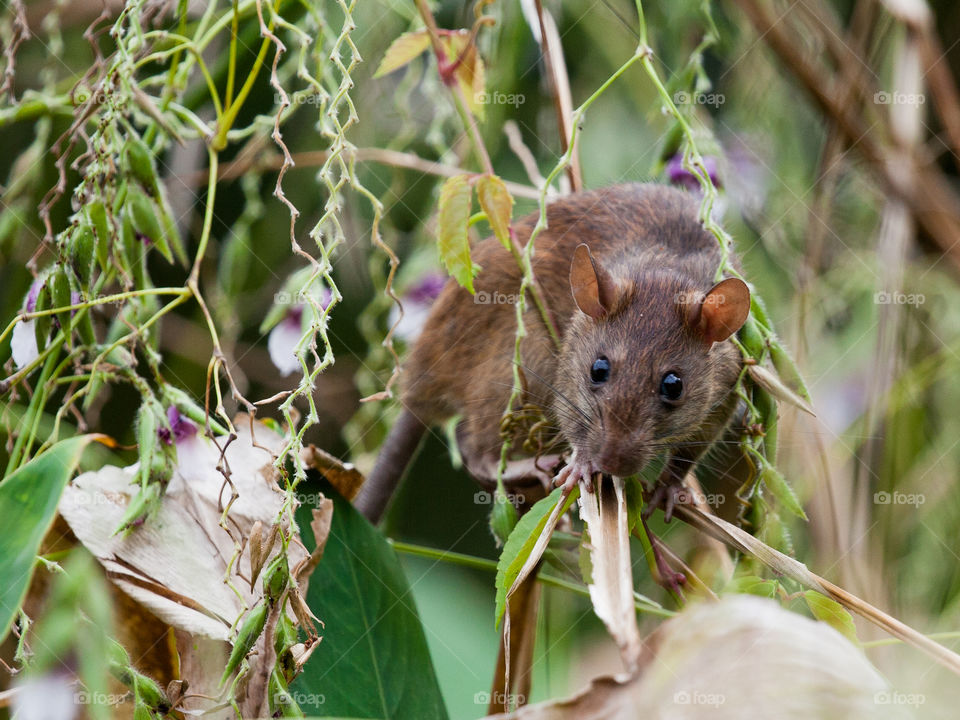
(832, 613)
(455, 201)
(28, 503)
(777, 484)
(497, 203)
(402, 50)
(521, 541)
(373, 661)
(752, 585)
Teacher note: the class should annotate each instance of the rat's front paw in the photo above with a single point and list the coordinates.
(574, 472)
(668, 496)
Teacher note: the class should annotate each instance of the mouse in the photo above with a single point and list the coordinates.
(645, 365)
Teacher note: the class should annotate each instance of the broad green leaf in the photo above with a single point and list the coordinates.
(752, 585)
(777, 484)
(497, 203)
(373, 661)
(832, 613)
(520, 543)
(454, 216)
(28, 503)
(402, 50)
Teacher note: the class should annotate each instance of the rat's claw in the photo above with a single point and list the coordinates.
(573, 473)
(669, 496)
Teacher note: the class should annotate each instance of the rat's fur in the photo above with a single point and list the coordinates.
(650, 242)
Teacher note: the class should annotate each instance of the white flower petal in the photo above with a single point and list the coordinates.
(282, 345)
(23, 343)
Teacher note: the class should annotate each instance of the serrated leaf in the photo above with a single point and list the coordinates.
(520, 545)
(832, 613)
(28, 503)
(777, 484)
(752, 585)
(497, 204)
(452, 222)
(776, 387)
(402, 50)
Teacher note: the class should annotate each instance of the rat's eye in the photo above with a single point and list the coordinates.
(600, 370)
(671, 387)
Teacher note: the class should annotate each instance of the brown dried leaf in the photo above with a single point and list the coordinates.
(343, 476)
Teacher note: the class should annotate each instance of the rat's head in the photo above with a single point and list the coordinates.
(644, 361)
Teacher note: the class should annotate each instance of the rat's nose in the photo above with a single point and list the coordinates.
(612, 461)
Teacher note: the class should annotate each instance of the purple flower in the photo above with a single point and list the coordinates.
(286, 334)
(679, 175)
(417, 302)
(182, 428)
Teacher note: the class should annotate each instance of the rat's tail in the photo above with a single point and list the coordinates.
(395, 455)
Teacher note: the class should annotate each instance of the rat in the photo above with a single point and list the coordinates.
(645, 366)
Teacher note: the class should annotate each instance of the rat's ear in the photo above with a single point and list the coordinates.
(722, 311)
(593, 289)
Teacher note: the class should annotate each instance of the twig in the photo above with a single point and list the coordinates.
(394, 158)
(782, 564)
(560, 84)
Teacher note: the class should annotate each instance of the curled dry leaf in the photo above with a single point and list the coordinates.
(181, 562)
(342, 475)
(743, 656)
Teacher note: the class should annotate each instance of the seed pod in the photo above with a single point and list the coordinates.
(44, 323)
(140, 508)
(60, 294)
(276, 578)
(767, 408)
(503, 517)
(150, 692)
(752, 339)
(97, 215)
(81, 252)
(143, 214)
(139, 161)
(787, 369)
(282, 703)
(246, 638)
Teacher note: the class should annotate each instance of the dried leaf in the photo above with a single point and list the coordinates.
(776, 387)
(740, 657)
(402, 50)
(611, 578)
(452, 221)
(343, 476)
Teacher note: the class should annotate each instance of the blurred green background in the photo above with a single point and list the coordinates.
(812, 226)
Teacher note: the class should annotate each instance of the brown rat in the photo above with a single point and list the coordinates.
(645, 366)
